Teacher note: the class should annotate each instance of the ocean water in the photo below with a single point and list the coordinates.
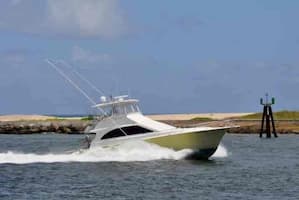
(52, 166)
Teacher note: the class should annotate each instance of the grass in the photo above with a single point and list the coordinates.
(280, 115)
(87, 118)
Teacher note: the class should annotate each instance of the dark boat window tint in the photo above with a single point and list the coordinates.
(130, 130)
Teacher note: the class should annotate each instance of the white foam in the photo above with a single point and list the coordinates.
(127, 152)
(140, 151)
(221, 152)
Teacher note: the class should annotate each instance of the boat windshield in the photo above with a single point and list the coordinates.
(121, 109)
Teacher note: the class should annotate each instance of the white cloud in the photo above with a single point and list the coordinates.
(81, 55)
(74, 18)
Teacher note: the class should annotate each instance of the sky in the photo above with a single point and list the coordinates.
(174, 56)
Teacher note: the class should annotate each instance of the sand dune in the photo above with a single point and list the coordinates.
(6, 118)
(216, 116)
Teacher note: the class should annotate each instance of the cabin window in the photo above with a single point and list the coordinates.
(136, 108)
(118, 110)
(107, 111)
(113, 134)
(130, 130)
(131, 108)
(123, 109)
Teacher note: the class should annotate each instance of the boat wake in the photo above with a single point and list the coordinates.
(127, 152)
(221, 152)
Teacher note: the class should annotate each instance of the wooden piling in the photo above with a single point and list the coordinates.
(268, 118)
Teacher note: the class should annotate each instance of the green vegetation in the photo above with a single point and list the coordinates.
(89, 117)
(281, 115)
(201, 119)
(56, 119)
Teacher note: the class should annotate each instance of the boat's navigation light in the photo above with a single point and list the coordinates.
(103, 99)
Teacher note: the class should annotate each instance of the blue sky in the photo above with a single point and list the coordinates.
(175, 56)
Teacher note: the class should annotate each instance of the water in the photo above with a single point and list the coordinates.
(51, 167)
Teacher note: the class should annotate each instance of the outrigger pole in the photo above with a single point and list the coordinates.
(82, 77)
(70, 81)
(54, 66)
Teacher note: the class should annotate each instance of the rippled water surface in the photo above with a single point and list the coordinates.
(51, 167)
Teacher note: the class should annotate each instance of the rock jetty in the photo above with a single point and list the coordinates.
(31, 124)
(31, 127)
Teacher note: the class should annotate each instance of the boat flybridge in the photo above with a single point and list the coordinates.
(124, 121)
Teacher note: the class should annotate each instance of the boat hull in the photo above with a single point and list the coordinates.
(203, 143)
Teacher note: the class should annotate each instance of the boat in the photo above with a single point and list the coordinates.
(124, 122)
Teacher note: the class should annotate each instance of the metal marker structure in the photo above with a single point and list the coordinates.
(268, 118)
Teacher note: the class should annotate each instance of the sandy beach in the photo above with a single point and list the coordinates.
(20, 117)
(162, 117)
(29, 124)
(214, 116)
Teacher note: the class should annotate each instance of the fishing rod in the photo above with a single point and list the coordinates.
(54, 66)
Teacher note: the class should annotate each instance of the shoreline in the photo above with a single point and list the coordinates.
(159, 117)
(35, 124)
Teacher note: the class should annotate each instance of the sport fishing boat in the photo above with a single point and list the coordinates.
(125, 122)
